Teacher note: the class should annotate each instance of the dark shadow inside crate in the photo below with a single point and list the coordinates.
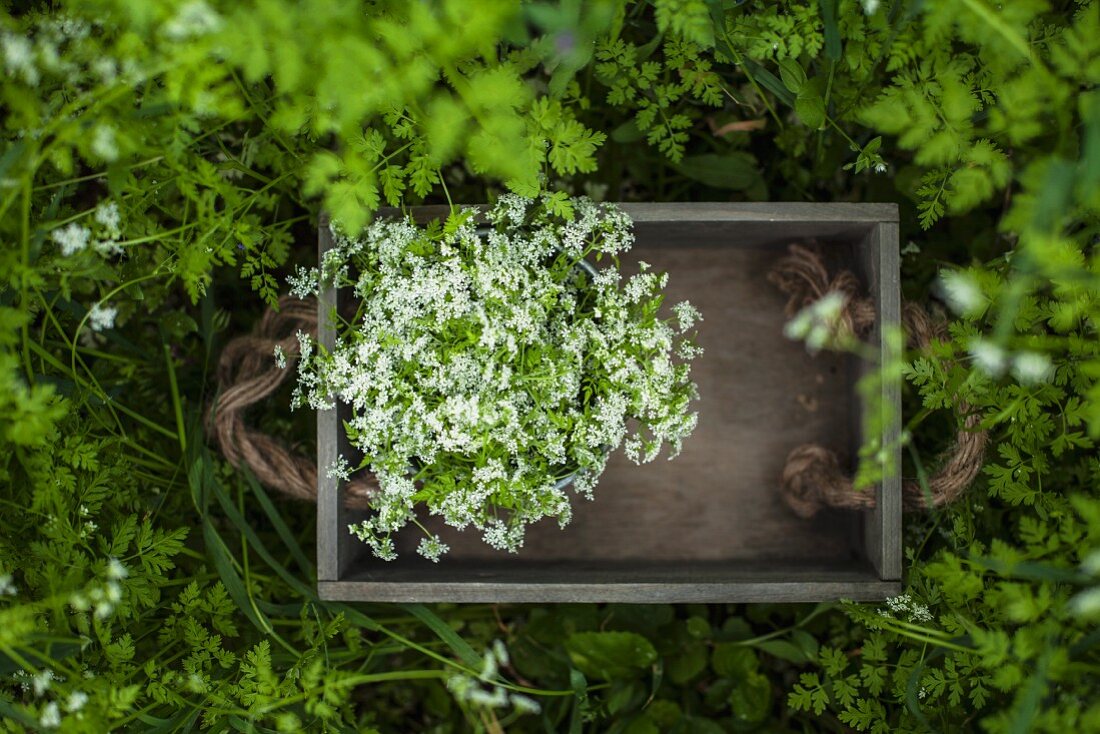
(716, 510)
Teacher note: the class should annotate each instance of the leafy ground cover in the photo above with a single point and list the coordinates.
(162, 167)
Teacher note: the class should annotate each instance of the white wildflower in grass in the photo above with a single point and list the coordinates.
(42, 682)
(988, 357)
(106, 69)
(880, 168)
(962, 292)
(1031, 367)
(19, 57)
(919, 614)
(76, 701)
(107, 216)
(280, 357)
(524, 704)
(485, 689)
(115, 569)
(870, 6)
(195, 18)
(490, 371)
(51, 716)
(101, 318)
(72, 238)
(7, 587)
(104, 144)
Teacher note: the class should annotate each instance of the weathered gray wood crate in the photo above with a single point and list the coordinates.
(709, 526)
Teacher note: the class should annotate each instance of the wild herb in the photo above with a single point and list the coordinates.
(162, 160)
(487, 371)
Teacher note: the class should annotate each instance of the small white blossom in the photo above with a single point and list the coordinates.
(304, 282)
(432, 548)
(919, 613)
(106, 214)
(106, 69)
(525, 704)
(195, 18)
(280, 357)
(101, 318)
(687, 315)
(42, 681)
(104, 144)
(339, 469)
(988, 357)
(1032, 367)
(72, 238)
(115, 569)
(7, 587)
(76, 701)
(962, 292)
(880, 168)
(870, 6)
(19, 57)
(51, 716)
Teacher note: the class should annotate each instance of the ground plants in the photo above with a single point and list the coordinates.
(163, 161)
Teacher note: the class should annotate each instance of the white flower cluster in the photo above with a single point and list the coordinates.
(101, 318)
(102, 599)
(74, 237)
(41, 683)
(904, 604)
(1026, 366)
(487, 370)
(484, 690)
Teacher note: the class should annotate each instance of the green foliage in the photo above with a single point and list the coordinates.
(162, 161)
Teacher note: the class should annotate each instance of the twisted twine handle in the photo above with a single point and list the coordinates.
(812, 477)
(247, 374)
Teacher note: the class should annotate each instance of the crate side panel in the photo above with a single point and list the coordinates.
(879, 261)
(642, 583)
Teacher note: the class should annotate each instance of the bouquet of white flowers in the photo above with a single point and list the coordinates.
(488, 369)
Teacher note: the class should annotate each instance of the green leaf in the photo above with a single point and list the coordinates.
(445, 633)
(751, 701)
(792, 74)
(831, 29)
(810, 108)
(688, 664)
(610, 655)
(737, 171)
(733, 660)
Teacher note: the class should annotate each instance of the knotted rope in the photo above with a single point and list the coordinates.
(247, 373)
(812, 478)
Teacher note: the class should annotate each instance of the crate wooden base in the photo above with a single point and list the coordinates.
(709, 526)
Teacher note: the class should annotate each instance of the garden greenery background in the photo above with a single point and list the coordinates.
(162, 167)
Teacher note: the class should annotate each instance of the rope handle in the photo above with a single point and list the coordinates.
(812, 478)
(247, 373)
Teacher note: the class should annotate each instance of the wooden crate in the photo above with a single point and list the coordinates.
(709, 526)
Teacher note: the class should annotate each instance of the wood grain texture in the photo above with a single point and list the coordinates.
(625, 582)
(712, 519)
(881, 259)
(329, 537)
(337, 549)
